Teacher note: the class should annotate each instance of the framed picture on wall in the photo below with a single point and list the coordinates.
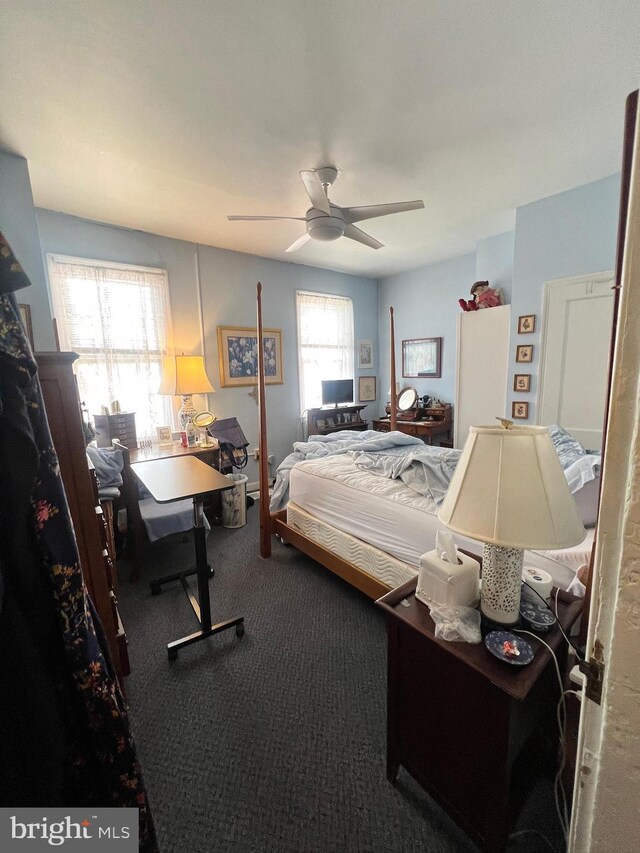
(366, 389)
(238, 356)
(519, 410)
(365, 353)
(25, 316)
(522, 382)
(526, 324)
(422, 357)
(524, 353)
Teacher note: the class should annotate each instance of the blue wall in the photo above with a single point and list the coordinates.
(228, 284)
(19, 226)
(569, 234)
(425, 305)
(572, 233)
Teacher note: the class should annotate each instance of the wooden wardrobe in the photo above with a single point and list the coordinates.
(55, 370)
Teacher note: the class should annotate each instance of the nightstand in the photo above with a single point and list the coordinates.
(457, 718)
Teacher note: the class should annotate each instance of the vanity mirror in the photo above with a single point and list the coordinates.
(407, 399)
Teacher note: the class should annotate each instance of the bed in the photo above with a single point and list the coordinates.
(335, 502)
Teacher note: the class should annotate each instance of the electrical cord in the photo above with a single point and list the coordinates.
(522, 832)
(578, 654)
(558, 791)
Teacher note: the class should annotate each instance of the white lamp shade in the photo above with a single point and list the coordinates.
(183, 375)
(509, 489)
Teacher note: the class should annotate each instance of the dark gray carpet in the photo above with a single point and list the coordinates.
(276, 741)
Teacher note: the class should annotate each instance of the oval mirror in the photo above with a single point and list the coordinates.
(407, 399)
(201, 421)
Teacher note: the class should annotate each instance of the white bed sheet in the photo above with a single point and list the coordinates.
(389, 516)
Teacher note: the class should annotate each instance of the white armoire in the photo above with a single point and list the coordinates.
(482, 368)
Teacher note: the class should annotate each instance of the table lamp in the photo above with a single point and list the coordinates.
(183, 376)
(509, 491)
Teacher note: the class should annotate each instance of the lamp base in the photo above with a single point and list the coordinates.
(501, 582)
(186, 412)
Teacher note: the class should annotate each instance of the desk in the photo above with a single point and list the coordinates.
(207, 453)
(174, 479)
(426, 430)
(457, 718)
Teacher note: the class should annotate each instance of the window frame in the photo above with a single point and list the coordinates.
(350, 349)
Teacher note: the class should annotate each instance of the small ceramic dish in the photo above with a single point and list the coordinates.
(509, 647)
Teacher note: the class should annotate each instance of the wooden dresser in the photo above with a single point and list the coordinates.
(325, 421)
(55, 370)
(440, 423)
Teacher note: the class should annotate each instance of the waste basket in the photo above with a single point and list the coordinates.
(234, 502)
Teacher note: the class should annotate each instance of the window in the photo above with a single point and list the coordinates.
(325, 343)
(116, 318)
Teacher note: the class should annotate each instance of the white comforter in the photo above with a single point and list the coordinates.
(424, 469)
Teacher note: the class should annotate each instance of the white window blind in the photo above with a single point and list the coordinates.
(325, 343)
(116, 318)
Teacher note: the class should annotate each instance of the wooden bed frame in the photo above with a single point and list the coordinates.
(276, 524)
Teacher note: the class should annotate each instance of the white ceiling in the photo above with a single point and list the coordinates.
(167, 116)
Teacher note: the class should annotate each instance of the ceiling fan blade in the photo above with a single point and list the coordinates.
(317, 195)
(371, 211)
(356, 234)
(260, 218)
(298, 243)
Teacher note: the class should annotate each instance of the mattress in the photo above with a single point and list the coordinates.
(373, 561)
(386, 514)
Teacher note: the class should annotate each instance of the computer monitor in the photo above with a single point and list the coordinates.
(336, 391)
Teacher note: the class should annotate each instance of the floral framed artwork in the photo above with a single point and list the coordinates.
(526, 324)
(366, 389)
(519, 410)
(238, 356)
(522, 382)
(524, 353)
(422, 357)
(365, 353)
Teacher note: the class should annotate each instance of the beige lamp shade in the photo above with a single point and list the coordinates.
(183, 375)
(509, 490)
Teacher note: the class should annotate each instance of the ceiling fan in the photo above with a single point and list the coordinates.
(326, 221)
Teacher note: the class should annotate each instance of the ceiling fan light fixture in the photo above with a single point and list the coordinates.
(327, 222)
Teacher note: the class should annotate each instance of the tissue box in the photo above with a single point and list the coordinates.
(441, 582)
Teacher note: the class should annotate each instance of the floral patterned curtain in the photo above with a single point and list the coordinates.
(65, 733)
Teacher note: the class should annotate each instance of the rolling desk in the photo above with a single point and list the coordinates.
(174, 479)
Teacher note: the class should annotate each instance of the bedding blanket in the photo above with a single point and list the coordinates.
(425, 469)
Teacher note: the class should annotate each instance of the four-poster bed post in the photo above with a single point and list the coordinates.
(265, 517)
(276, 524)
(392, 356)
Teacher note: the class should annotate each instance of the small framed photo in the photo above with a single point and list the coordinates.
(25, 316)
(522, 382)
(164, 434)
(321, 423)
(526, 324)
(366, 389)
(524, 353)
(519, 410)
(365, 353)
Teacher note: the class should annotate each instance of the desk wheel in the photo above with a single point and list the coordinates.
(240, 629)
(172, 654)
(156, 588)
(210, 570)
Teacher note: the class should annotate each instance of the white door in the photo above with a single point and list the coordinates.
(483, 362)
(578, 314)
